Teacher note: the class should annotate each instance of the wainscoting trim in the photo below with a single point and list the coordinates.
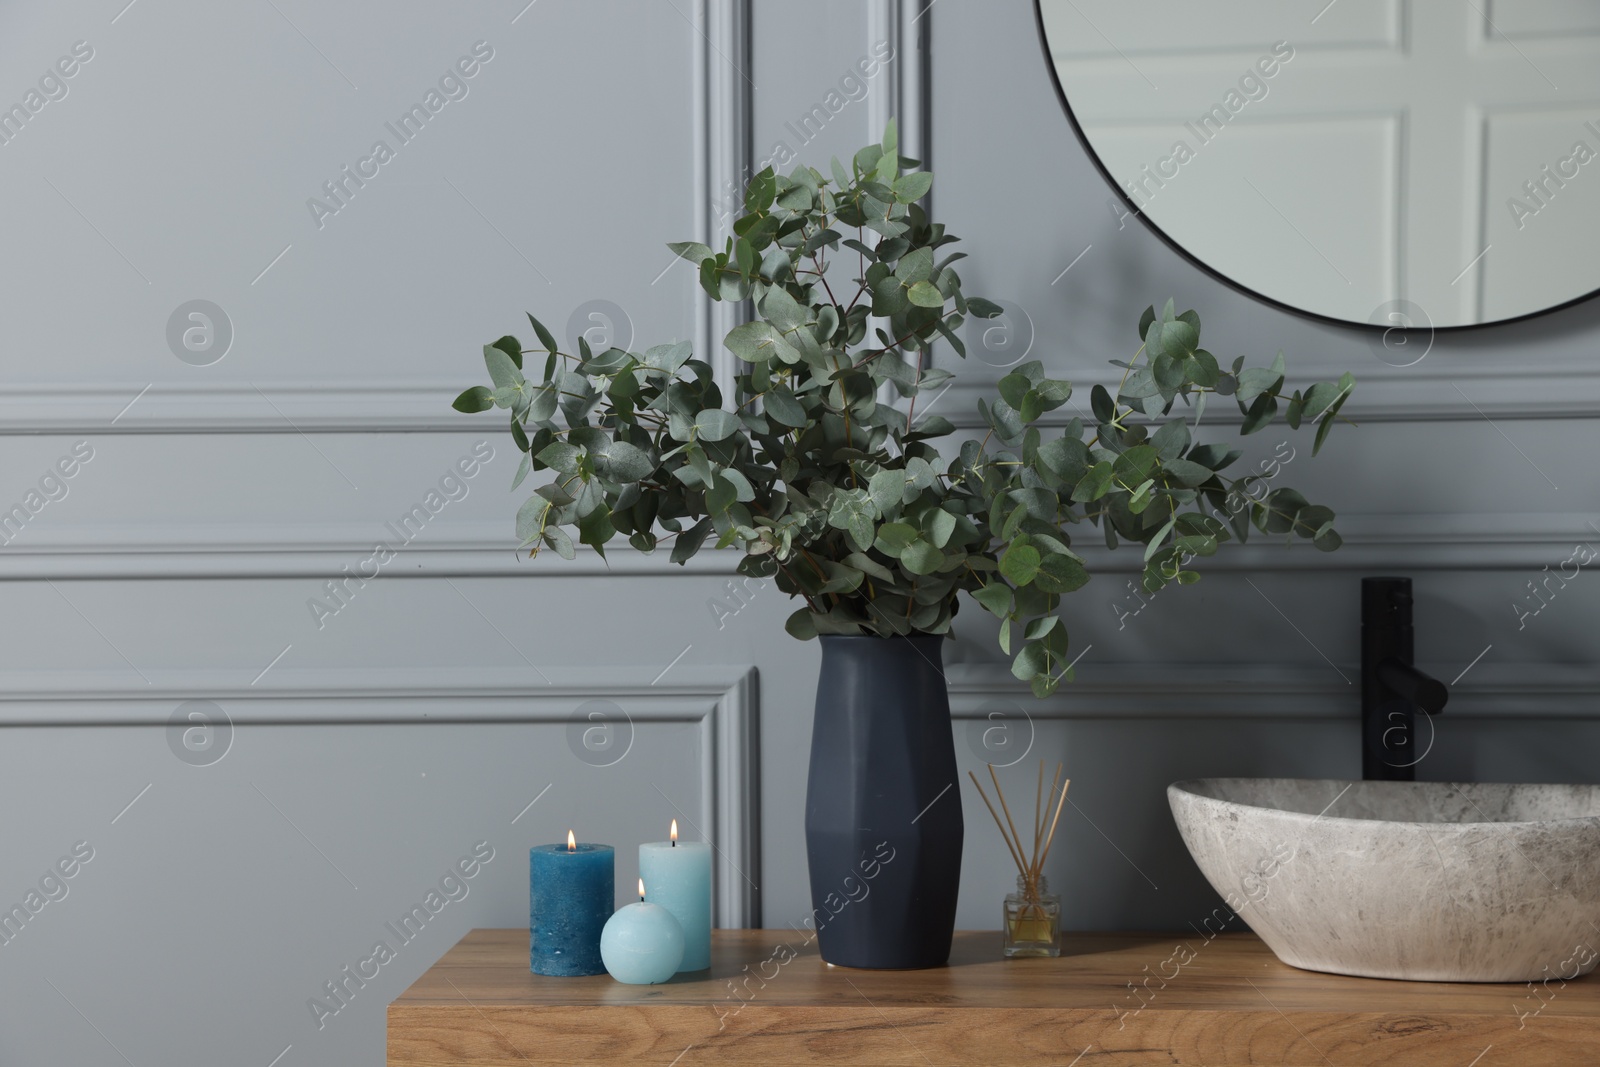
(723, 702)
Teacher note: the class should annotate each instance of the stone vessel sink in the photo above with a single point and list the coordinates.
(1428, 881)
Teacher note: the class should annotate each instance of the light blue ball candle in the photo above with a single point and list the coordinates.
(642, 943)
(679, 876)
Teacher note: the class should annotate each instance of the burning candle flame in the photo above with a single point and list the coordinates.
(641, 889)
(674, 831)
(572, 842)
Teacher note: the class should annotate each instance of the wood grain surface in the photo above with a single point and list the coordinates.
(1111, 999)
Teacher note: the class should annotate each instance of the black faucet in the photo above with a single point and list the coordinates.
(1391, 688)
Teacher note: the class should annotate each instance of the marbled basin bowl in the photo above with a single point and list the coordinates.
(1428, 881)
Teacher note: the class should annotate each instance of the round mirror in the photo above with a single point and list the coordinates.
(1394, 162)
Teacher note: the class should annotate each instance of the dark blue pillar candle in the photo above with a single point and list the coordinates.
(571, 894)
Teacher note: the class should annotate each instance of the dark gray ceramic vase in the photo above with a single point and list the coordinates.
(883, 806)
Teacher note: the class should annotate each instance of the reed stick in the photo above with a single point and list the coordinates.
(1050, 839)
(997, 792)
(1033, 869)
(1036, 827)
(1015, 856)
(1055, 780)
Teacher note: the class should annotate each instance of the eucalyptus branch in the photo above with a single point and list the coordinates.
(899, 531)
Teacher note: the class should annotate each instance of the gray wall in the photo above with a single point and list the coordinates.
(369, 753)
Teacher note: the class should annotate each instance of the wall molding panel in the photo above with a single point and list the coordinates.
(1456, 542)
(722, 703)
(908, 95)
(1424, 393)
(1275, 691)
(1383, 394)
(722, 112)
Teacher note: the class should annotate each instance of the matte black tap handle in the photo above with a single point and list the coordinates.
(1406, 681)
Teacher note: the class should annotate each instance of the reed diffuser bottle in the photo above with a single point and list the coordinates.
(1032, 920)
(1032, 924)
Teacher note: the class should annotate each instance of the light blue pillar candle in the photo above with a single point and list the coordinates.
(571, 890)
(642, 944)
(678, 874)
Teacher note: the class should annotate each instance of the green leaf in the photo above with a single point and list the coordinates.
(841, 177)
(867, 565)
(1172, 440)
(693, 251)
(1100, 403)
(511, 347)
(722, 494)
(560, 456)
(1066, 457)
(920, 557)
(1187, 473)
(1039, 627)
(1347, 383)
(1145, 320)
(886, 488)
(545, 338)
(478, 398)
(925, 294)
(851, 511)
(1032, 661)
(1260, 414)
(801, 625)
(687, 543)
(543, 405)
(941, 526)
(893, 537)
(1136, 464)
(913, 187)
(1319, 397)
(523, 469)
(782, 310)
(714, 424)
(1171, 337)
(627, 463)
(758, 342)
(1094, 484)
(995, 597)
(501, 369)
(558, 539)
(1154, 544)
(1202, 369)
(1020, 564)
(1004, 418)
(1014, 388)
(1060, 574)
(595, 529)
(529, 517)
(780, 403)
(759, 193)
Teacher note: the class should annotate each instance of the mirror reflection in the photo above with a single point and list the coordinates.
(1403, 162)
